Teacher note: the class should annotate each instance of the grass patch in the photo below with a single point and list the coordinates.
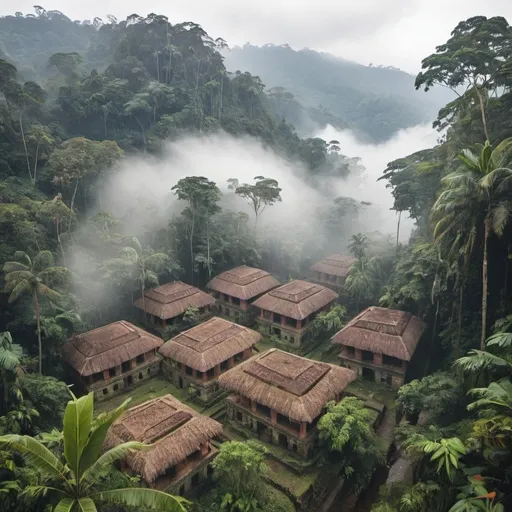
(368, 390)
(264, 345)
(153, 388)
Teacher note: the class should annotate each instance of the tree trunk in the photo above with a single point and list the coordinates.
(35, 163)
(60, 244)
(398, 227)
(192, 250)
(105, 122)
(220, 97)
(38, 320)
(143, 300)
(157, 67)
(72, 205)
(459, 330)
(484, 286)
(25, 146)
(208, 248)
(482, 111)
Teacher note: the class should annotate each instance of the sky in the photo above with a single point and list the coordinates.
(388, 32)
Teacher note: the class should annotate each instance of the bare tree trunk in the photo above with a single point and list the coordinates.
(142, 289)
(26, 151)
(484, 286)
(38, 320)
(72, 205)
(398, 227)
(221, 93)
(35, 163)
(192, 250)
(208, 248)
(60, 244)
(482, 111)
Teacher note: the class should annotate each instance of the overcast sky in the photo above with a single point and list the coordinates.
(388, 32)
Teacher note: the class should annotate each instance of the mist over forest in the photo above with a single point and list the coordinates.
(143, 162)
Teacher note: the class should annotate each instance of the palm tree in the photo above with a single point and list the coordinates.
(473, 196)
(146, 266)
(24, 276)
(72, 483)
(358, 245)
(362, 279)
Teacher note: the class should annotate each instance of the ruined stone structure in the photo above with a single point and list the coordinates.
(288, 311)
(111, 358)
(281, 396)
(235, 290)
(196, 358)
(332, 271)
(379, 343)
(166, 304)
(180, 437)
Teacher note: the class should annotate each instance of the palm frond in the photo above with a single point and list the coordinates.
(65, 505)
(16, 290)
(23, 258)
(500, 339)
(86, 505)
(13, 266)
(479, 360)
(499, 217)
(43, 260)
(129, 254)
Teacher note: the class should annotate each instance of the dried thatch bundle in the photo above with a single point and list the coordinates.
(205, 346)
(107, 347)
(173, 299)
(383, 331)
(175, 430)
(297, 299)
(335, 265)
(243, 282)
(293, 386)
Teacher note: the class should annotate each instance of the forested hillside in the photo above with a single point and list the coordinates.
(138, 159)
(372, 101)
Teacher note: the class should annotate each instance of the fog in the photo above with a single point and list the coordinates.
(375, 157)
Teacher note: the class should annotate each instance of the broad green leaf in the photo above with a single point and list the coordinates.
(143, 498)
(86, 505)
(77, 426)
(36, 455)
(65, 505)
(94, 445)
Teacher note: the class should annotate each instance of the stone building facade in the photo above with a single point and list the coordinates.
(235, 290)
(280, 397)
(111, 358)
(379, 343)
(196, 358)
(288, 311)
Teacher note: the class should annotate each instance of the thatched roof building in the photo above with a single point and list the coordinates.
(175, 429)
(293, 386)
(335, 265)
(297, 299)
(173, 299)
(211, 343)
(107, 347)
(243, 282)
(384, 331)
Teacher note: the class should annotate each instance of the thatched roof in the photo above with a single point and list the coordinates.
(297, 299)
(383, 331)
(293, 386)
(107, 347)
(243, 282)
(335, 265)
(175, 429)
(173, 299)
(209, 344)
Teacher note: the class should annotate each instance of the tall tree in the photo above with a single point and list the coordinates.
(472, 59)
(72, 482)
(265, 192)
(482, 182)
(144, 265)
(202, 196)
(25, 276)
(358, 245)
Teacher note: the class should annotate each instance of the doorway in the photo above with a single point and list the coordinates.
(180, 383)
(368, 374)
(128, 381)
